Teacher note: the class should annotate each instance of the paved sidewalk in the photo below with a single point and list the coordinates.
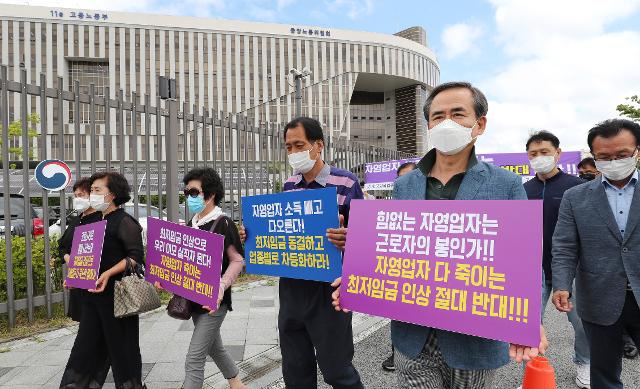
(374, 349)
(249, 332)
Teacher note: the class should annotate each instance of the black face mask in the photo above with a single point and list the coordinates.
(587, 176)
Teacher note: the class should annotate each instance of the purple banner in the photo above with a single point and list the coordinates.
(472, 267)
(184, 260)
(519, 162)
(381, 175)
(86, 251)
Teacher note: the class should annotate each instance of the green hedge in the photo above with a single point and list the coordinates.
(20, 267)
(277, 187)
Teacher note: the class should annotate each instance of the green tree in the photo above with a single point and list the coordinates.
(631, 110)
(15, 131)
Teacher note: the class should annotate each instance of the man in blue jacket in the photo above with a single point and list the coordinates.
(549, 185)
(428, 357)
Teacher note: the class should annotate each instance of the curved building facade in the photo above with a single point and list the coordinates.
(363, 86)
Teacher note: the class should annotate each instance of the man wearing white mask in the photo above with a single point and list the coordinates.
(312, 333)
(597, 243)
(549, 185)
(430, 358)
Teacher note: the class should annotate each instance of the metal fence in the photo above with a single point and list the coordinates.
(153, 143)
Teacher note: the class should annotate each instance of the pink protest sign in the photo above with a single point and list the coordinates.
(86, 250)
(472, 267)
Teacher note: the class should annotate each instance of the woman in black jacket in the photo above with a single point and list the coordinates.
(104, 340)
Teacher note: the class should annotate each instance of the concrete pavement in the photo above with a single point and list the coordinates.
(371, 351)
(250, 334)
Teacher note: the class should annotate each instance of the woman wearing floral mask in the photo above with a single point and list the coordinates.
(204, 191)
(84, 215)
(103, 340)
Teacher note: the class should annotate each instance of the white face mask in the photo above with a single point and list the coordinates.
(81, 204)
(301, 162)
(449, 137)
(543, 164)
(618, 169)
(98, 202)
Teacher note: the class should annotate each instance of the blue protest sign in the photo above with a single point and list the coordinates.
(286, 234)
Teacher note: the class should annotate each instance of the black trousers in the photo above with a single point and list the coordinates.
(103, 341)
(312, 331)
(75, 304)
(606, 345)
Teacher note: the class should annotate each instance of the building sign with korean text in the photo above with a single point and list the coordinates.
(79, 15)
(310, 31)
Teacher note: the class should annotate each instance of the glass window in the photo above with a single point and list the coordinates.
(87, 73)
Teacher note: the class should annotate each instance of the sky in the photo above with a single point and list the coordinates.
(557, 65)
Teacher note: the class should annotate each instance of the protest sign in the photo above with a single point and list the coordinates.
(86, 250)
(286, 234)
(184, 260)
(519, 163)
(381, 175)
(472, 267)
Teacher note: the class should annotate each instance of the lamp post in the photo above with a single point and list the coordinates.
(167, 91)
(298, 76)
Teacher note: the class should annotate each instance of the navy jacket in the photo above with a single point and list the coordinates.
(551, 192)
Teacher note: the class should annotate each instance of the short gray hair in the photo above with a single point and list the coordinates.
(480, 104)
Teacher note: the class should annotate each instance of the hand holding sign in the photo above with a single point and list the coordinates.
(220, 297)
(335, 296)
(521, 353)
(338, 236)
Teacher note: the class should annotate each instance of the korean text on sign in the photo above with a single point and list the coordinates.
(186, 261)
(286, 234)
(86, 250)
(466, 266)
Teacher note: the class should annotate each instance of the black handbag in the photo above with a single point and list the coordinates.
(179, 307)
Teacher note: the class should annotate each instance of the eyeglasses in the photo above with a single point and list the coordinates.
(609, 159)
(193, 192)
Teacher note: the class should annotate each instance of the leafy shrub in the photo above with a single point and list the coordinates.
(18, 246)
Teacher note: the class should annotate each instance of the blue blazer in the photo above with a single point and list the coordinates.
(482, 182)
